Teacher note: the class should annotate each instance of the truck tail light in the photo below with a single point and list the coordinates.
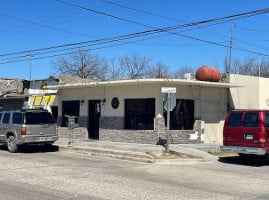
(262, 137)
(23, 131)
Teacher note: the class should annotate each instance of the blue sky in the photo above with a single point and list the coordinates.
(30, 24)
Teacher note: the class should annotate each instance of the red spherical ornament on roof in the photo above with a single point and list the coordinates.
(205, 73)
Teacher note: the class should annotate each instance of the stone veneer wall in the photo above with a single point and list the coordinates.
(111, 129)
(147, 136)
(112, 123)
(78, 133)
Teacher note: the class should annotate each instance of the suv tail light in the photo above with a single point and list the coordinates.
(23, 131)
(262, 137)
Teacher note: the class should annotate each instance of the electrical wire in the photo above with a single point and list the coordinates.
(44, 26)
(53, 49)
(220, 20)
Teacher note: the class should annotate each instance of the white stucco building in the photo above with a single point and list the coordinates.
(126, 110)
(252, 93)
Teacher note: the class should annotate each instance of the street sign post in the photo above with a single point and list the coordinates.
(169, 103)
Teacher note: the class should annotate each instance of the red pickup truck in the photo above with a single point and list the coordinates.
(246, 132)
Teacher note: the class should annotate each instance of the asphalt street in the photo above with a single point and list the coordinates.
(39, 174)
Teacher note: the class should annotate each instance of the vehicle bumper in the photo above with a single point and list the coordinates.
(243, 150)
(47, 139)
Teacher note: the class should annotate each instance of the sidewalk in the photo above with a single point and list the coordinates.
(137, 152)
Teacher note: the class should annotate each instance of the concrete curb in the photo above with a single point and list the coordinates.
(110, 153)
(139, 152)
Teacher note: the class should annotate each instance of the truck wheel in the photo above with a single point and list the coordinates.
(11, 144)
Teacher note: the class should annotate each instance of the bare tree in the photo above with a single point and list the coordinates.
(135, 67)
(82, 64)
(160, 70)
(182, 71)
(115, 70)
(250, 66)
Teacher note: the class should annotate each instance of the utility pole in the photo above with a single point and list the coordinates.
(30, 65)
(228, 69)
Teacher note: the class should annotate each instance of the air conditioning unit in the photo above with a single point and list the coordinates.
(189, 76)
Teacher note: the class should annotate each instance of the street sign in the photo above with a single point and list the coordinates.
(169, 102)
(169, 90)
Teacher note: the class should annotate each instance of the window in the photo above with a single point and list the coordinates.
(6, 118)
(39, 118)
(17, 118)
(235, 119)
(139, 114)
(251, 119)
(182, 116)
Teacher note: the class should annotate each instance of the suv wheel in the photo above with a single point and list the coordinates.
(11, 144)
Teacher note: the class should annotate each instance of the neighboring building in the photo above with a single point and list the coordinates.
(18, 94)
(132, 110)
(42, 97)
(12, 94)
(252, 93)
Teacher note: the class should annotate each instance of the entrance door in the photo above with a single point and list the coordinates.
(94, 116)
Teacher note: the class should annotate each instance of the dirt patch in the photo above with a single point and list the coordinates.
(171, 155)
(223, 154)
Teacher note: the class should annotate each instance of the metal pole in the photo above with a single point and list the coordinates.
(30, 67)
(168, 123)
(228, 70)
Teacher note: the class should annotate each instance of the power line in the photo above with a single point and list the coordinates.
(254, 30)
(243, 15)
(102, 41)
(98, 12)
(44, 26)
(141, 11)
(219, 20)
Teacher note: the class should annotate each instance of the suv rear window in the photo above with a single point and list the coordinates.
(235, 119)
(39, 118)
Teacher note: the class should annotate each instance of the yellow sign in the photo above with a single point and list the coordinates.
(46, 100)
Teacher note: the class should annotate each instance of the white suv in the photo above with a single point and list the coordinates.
(30, 126)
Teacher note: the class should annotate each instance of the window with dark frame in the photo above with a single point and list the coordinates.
(139, 114)
(182, 116)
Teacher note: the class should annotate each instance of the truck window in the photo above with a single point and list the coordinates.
(251, 119)
(235, 119)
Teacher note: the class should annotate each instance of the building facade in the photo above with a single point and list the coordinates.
(132, 110)
(39, 96)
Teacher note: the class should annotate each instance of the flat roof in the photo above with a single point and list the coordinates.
(172, 82)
